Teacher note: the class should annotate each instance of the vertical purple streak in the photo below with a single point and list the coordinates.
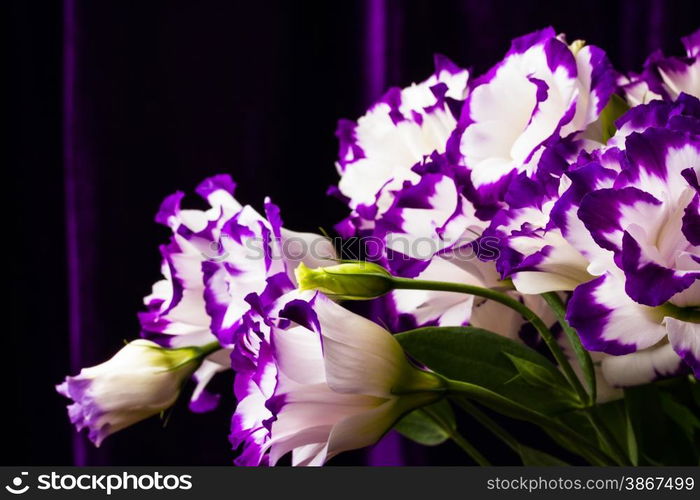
(375, 49)
(387, 452)
(642, 31)
(71, 208)
(656, 25)
(628, 38)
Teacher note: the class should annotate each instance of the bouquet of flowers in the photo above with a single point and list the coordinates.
(528, 244)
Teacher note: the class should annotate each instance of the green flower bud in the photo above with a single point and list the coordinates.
(347, 281)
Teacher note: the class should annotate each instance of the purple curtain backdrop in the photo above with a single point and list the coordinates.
(116, 104)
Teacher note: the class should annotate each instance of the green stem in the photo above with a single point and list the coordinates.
(508, 301)
(194, 354)
(516, 410)
(607, 436)
(504, 435)
(459, 440)
(559, 309)
(687, 314)
(489, 423)
(584, 358)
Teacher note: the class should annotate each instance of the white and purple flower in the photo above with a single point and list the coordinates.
(619, 227)
(321, 380)
(667, 77)
(431, 232)
(543, 244)
(400, 130)
(509, 178)
(176, 314)
(542, 91)
(644, 228)
(216, 257)
(532, 249)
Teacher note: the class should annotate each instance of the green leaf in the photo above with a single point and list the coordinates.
(481, 358)
(533, 457)
(659, 438)
(680, 414)
(529, 456)
(632, 449)
(644, 408)
(582, 355)
(615, 108)
(618, 421)
(538, 376)
(422, 428)
(695, 390)
(577, 420)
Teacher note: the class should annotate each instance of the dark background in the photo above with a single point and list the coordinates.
(115, 104)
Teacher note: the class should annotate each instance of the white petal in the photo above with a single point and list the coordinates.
(535, 282)
(640, 367)
(298, 355)
(309, 455)
(450, 309)
(368, 427)
(360, 356)
(496, 318)
(685, 340)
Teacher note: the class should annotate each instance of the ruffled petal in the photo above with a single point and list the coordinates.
(641, 367)
(685, 340)
(608, 320)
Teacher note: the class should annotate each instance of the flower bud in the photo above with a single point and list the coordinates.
(141, 380)
(348, 281)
